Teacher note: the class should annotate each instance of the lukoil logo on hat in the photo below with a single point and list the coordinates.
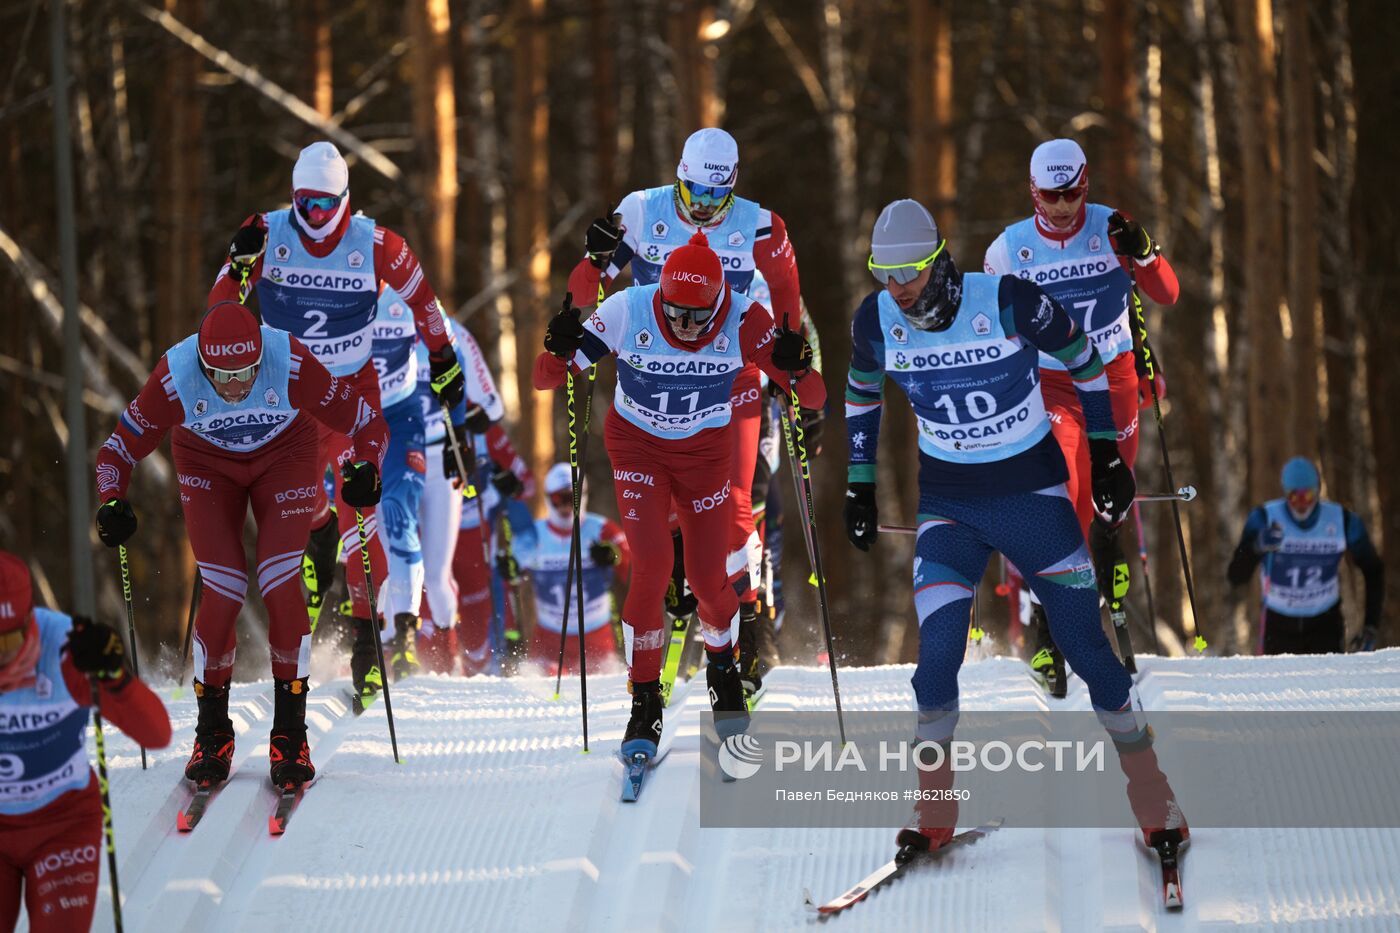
(229, 337)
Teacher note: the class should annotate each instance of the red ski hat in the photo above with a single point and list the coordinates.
(16, 597)
(230, 338)
(692, 276)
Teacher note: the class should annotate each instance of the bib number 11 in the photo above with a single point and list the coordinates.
(693, 398)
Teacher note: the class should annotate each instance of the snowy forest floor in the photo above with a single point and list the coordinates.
(497, 821)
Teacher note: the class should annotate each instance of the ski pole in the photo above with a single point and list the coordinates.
(514, 648)
(797, 455)
(578, 449)
(130, 622)
(1184, 494)
(1146, 579)
(195, 594)
(373, 619)
(1198, 641)
(105, 789)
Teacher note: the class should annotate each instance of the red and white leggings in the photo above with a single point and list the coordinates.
(51, 860)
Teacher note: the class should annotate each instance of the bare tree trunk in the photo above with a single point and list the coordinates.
(1375, 32)
(128, 219)
(932, 144)
(529, 228)
(1118, 82)
(693, 55)
(1300, 180)
(1257, 116)
(435, 129)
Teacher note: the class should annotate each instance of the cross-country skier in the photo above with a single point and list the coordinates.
(317, 271)
(963, 348)
(1081, 253)
(750, 240)
(544, 551)
(50, 804)
(1300, 540)
(245, 402)
(680, 345)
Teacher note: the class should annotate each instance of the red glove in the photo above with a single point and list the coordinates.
(1145, 390)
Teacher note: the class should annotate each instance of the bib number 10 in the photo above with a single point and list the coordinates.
(977, 405)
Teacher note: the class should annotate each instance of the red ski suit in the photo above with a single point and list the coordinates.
(695, 473)
(51, 859)
(397, 267)
(280, 480)
(774, 257)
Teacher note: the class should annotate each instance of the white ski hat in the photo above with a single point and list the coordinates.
(1059, 163)
(320, 167)
(710, 157)
(558, 479)
(904, 232)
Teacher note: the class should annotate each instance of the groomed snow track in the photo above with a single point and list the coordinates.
(496, 820)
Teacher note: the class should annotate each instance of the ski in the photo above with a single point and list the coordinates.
(674, 649)
(892, 869)
(635, 774)
(1169, 859)
(288, 796)
(636, 768)
(187, 819)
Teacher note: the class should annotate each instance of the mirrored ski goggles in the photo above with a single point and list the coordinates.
(679, 312)
(1056, 195)
(904, 272)
(321, 202)
(695, 194)
(563, 499)
(1301, 501)
(225, 376)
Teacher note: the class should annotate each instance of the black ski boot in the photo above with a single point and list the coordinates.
(750, 668)
(213, 736)
(364, 664)
(644, 728)
(403, 650)
(288, 752)
(726, 693)
(768, 655)
(1111, 571)
(1047, 662)
(318, 564)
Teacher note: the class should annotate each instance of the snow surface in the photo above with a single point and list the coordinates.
(496, 820)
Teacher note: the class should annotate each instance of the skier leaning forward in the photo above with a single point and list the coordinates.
(991, 478)
(246, 402)
(680, 345)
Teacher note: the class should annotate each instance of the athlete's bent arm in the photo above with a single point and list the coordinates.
(142, 425)
(865, 391)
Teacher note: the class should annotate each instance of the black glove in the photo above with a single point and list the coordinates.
(791, 351)
(602, 554)
(507, 483)
(812, 420)
(447, 382)
(564, 335)
(360, 486)
(116, 522)
(96, 649)
(1365, 640)
(508, 567)
(862, 515)
(1269, 540)
(601, 241)
(478, 422)
(449, 462)
(248, 244)
(680, 602)
(1128, 237)
(1113, 484)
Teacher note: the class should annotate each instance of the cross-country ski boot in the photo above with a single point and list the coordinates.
(364, 664)
(288, 753)
(318, 565)
(644, 727)
(726, 692)
(1047, 662)
(936, 812)
(403, 648)
(750, 663)
(213, 736)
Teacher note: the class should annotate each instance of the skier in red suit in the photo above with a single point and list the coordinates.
(245, 402)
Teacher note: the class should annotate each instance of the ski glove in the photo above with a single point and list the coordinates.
(360, 486)
(602, 554)
(1365, 640)
(680, 602)
(791, 351)
(1113, 484)
(449, 462)
(447, 382)
(1269, 540)
(96, 649)
(862, 515)
(601, 241)
(116, 522)
(248, 244)
(478, 422)
(1129, 238)
(507, 483)
(564, 335)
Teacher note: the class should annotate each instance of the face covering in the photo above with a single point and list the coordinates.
(938, 303)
